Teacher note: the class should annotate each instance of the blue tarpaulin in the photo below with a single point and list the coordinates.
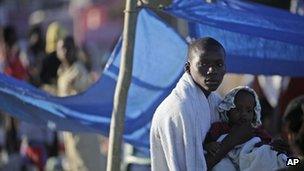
(157, 66)
(258, 40)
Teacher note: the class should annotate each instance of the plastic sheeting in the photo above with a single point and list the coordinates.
(258, 39)
(159, 57)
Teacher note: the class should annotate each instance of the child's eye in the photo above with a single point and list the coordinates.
(220, 65)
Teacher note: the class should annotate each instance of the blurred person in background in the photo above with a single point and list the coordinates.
(50, 63)
(82, 150)
(34, 145)
(48, 74)
(73, 76)
(12, 66)
(293, 124)
(35, 53)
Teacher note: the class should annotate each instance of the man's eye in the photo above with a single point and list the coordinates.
(202, 65)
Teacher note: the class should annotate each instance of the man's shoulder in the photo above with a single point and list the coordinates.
(170, 109)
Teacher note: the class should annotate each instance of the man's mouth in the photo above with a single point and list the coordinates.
(211, 81)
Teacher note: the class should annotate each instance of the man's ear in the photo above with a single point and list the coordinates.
(187, 66)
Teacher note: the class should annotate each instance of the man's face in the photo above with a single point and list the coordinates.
(208, 68)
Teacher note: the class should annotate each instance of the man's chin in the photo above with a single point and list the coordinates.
(212, 88)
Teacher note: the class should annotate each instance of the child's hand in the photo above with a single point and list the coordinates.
(213, 147)
(280, 146)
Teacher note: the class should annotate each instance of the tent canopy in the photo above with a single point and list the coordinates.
(257, 39)
(157, 66)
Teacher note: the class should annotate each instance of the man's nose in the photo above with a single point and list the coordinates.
(211, 69)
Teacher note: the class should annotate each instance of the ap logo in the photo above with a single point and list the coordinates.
(292, 161)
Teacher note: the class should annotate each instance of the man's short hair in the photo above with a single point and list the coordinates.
(206, 44)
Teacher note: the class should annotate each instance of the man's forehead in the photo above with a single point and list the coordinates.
(201, 54)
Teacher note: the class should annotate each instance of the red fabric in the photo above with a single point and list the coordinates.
(219, 128)
(263, 134)
(15, 69)
(35, 154)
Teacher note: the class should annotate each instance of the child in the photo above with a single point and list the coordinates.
(241, 105)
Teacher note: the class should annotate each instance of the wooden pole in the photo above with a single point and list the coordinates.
(122, 86)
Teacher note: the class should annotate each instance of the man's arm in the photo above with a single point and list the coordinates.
(167, 144)
(238, 135)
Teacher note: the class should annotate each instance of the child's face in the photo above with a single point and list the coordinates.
(244, 110)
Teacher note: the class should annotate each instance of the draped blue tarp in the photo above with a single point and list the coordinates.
(157, 66)
(258, 39)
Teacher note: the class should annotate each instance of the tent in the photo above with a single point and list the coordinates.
(90, 111)
(258, 39)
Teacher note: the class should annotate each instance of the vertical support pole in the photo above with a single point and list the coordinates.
(122, 87)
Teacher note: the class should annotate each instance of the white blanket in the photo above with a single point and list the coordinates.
(179, 127)
(246, 157)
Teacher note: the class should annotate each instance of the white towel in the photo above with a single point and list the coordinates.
(179, 127)
(246, 157)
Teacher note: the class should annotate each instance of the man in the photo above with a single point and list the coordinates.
(182, 120)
